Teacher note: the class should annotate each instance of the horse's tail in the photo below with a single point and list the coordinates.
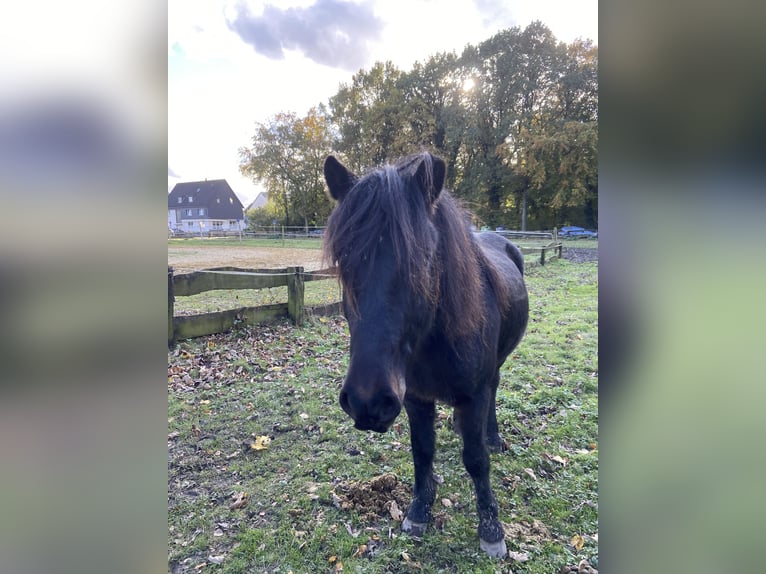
(516, 256)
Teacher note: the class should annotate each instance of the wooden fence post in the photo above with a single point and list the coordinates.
(295, 295)
(171, 299)
(542, 256)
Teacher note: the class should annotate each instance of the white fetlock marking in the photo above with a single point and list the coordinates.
(409, 526)
(494, 549)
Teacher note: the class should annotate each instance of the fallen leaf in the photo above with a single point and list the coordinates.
(240, 500)
(261, 443)
(351, 531)
(217, 532)
(360, 551)
(339, 566)
(558, 459)
(410, 562)
(446, 502)
(332, 559)
(518, 556)
(531, 473)
(174, 434)
(216, 559)
(394, 511)
(577, 541)
(304, 416)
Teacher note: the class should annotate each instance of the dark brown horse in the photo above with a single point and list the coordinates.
(433, 311)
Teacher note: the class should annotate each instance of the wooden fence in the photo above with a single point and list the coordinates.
(188, 326)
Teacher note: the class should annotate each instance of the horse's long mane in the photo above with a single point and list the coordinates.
(388, 201)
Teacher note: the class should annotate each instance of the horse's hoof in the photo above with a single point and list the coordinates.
(414, 529)
(494, 549)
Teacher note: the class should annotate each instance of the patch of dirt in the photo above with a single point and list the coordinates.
(195, 257)
(534, 532)
(579, 254)
(373, 499)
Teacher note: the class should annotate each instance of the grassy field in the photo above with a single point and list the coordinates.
(306, 243)
(266, 473)
(316, 243)
(315, 293)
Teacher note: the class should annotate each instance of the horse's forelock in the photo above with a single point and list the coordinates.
(382, 202)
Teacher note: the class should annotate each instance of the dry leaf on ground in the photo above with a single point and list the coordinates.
(240, 500)
(394, 511)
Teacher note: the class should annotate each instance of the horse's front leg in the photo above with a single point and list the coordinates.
(422, 415)
(473, 419)
(494, 442)
(493, 439)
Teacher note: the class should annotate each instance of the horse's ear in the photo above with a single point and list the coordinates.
(339, 179)
(430, 175)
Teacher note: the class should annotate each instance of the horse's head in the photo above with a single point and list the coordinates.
(381, 237)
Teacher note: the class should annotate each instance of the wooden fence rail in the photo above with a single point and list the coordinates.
(294, 278)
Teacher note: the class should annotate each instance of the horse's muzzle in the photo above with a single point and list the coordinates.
(376, 412)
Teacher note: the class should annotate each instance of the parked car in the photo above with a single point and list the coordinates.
(577, 232)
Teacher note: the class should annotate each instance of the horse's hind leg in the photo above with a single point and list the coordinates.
(476, 459)
(422, 415)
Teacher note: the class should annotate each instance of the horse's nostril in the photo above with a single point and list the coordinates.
(389, 407)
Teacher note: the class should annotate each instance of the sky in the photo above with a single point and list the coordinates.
(232, 63)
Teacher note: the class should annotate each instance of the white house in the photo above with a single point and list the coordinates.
(202, 206)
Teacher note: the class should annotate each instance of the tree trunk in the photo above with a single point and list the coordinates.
(524, 209)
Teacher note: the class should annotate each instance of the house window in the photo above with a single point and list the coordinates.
(189, 212)
(218, 200)
(202, 211)
(191, 199)
(232, 222)
(189, 224)
(231, 201)
(180, 199)
(217, 224)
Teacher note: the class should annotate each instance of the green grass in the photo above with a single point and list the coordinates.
(585, 243)
(315, 293)
(306, 243)
(283, 382)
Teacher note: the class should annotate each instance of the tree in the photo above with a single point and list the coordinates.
(553, 149)
(286, 157)
(560, 165)
(370, 117)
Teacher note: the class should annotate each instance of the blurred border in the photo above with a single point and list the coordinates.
(83, 411)
(82, 286)
(682, 279)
